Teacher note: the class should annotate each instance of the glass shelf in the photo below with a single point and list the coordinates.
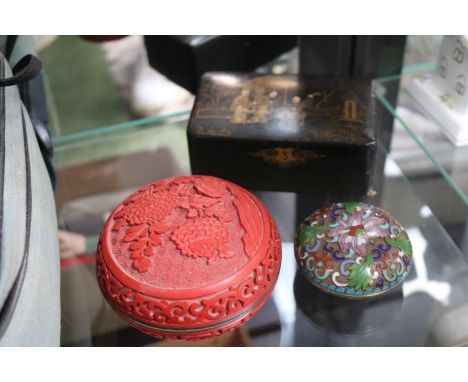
(450, 161)
(113, 164)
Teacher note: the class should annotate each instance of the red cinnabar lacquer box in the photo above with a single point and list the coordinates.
(188, 257)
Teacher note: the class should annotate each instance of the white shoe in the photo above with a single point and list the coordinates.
(152, 93)
(148, 92)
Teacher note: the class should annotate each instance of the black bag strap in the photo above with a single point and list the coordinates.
(10, 45)
(25, 70)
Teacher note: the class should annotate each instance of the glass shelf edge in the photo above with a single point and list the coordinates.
(81, 135)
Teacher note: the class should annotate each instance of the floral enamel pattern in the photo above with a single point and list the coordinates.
(205, 208)
(353, 249)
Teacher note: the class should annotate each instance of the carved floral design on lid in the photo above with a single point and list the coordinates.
(203, 238)
(210, 188)
(201, 265)
(208, 207)
(150, 209)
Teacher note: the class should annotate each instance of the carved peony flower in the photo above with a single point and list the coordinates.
(151, 208)
(208, 238)
(356, 232)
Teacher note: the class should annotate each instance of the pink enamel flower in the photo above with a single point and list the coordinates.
(356, 232)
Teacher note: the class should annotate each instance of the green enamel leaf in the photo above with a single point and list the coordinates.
(360, 276)
(308, 234)
(402, 243)
(349, 206)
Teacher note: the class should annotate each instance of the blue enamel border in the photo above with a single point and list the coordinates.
(353, 292)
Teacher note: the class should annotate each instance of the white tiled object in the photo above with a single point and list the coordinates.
(431, 98)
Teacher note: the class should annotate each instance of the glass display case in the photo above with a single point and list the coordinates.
(421, 180)
(436, 167)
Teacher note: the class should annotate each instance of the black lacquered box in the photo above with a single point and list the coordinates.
(284, 133)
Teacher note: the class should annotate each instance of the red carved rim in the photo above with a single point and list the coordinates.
(205, 308)
(201, 333)
(196, 332)
(213, 310)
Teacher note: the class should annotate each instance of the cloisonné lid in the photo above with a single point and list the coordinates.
(353, 250)
(188, 257)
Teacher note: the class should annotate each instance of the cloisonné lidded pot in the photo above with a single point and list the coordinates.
(188, 257)
(353, 250)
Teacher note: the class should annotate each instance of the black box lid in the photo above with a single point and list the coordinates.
(290, 108)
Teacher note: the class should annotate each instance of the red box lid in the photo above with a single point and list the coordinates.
(188, 257)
